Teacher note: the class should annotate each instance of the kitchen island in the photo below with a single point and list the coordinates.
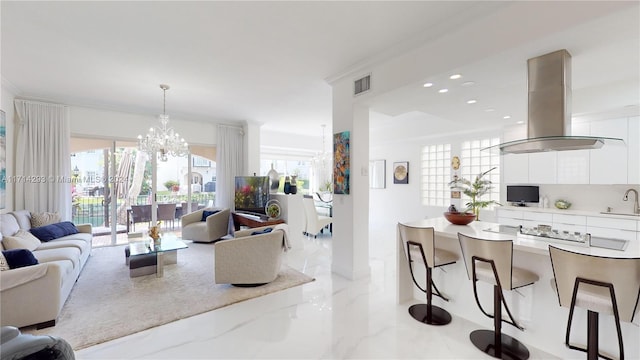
(536, 307)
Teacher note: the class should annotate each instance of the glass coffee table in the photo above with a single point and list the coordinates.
(165, 253)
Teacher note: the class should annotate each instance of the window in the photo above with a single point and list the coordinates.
(92, 177)
(473, 162)
(436, 174)
(301, 168)
(198, 161)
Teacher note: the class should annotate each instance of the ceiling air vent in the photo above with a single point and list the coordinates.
(362, 85)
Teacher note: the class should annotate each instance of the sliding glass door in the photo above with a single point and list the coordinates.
(112, 188)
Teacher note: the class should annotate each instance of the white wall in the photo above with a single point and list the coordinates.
(90, 122)
(402, 202)
(286, 145)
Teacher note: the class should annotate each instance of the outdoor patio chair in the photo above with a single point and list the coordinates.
(167, 213)
(140, 213)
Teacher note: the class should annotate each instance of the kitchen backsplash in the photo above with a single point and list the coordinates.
(591, 197)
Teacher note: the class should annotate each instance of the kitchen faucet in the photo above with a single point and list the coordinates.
(636, 206)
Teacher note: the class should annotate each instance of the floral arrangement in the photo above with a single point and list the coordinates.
(154, 231)
(273, 210)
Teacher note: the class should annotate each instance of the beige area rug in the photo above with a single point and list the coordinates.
(106, 303)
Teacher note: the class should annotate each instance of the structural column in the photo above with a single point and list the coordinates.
(350, 243)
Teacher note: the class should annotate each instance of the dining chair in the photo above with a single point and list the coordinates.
(139, 214)
(167, 213)
(315, 223)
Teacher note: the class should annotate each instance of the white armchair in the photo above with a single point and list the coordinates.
(215, 227)
(249, 260)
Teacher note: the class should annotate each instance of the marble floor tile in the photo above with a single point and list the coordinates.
(329, 318)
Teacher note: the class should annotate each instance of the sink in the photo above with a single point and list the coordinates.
(614, 213)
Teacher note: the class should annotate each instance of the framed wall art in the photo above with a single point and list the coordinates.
(341, 167)
(401, 172)
(377, 172)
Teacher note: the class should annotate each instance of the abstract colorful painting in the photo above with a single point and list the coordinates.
(341, 168)
(3, 160)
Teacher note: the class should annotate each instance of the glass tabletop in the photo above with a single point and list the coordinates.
(146, 246)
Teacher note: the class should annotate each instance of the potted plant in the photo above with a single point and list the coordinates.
(475, 190)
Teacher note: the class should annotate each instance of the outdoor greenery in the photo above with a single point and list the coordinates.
(169, 184)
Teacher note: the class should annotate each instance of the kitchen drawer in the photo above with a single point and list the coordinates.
(534, 223)
(602, 222)
(612, 233)
(509, 221)
(545, 218)
(571, 228)
(508, 213)
(569, 219)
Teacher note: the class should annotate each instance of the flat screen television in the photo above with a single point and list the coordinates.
(251, 193)
(520, 195)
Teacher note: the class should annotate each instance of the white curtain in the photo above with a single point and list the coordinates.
(43, 165)
(230, 161)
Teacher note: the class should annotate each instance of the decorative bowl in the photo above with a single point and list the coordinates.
(460, 218)
(562, 204)
(273, 209)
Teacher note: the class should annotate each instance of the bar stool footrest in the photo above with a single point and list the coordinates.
(439, 316)
(511, 348)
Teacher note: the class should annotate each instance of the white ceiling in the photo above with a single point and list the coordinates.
(267, 62)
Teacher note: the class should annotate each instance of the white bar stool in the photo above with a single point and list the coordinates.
(491, 261)
(420, 246)
(601, 285)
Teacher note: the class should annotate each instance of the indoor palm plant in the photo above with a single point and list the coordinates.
(475, 190)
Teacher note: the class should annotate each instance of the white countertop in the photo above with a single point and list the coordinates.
(521, 242)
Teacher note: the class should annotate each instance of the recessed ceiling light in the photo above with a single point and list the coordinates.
(468, 83)
(443, 91)
(507, 117)
(520, 122)
(455, 76)
(428, 84)
(472, 101)
(489, 109)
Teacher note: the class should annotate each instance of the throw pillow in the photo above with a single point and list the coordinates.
(21, 240)
(207, 213)
(54, 231)
(44, 218)
(4, 265)
(17, 258)
(264, 231)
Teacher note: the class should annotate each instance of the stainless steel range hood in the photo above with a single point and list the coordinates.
(549, 106)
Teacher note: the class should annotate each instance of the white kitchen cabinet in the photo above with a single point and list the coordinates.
(625, 229)
(570, 223)
(609, 164)
(598, 225)
(633, 151)
(543, 167)
(532, 219)
(573, 167)
(511, 217)
(515, 168)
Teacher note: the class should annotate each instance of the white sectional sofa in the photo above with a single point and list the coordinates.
(34, 295)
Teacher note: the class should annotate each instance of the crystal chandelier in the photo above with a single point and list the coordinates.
(322, 165)
(163, 140)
